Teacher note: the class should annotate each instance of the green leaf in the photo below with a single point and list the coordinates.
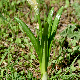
(49, 20)
(61, 58)
(44, 55)
(59, 71)
(79, 62)
(18, 40)
(73, 68)
(33, 56)
(67, 4)
(29, 34)
(74, 61)
(56, 20)
(69, 50)
(54, 27)
(20, 63)
(2, 71)
(0, 4)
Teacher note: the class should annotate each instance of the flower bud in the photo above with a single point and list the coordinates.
(34, 4)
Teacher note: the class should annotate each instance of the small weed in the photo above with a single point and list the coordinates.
(76, 6)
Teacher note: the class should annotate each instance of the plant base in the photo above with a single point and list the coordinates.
(45, 76)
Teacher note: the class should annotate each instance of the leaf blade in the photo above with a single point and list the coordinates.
(54, 28)
(29, 33)
(56, 20)
(49, 20)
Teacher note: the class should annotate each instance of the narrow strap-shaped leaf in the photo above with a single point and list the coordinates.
(45, 49)
(54, 28)
(29, 33)
(40, 27)
(56, 20)
(49, 20)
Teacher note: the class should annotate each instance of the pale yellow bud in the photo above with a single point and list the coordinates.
(34, 4)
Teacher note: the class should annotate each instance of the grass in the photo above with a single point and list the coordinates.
(18, 59)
